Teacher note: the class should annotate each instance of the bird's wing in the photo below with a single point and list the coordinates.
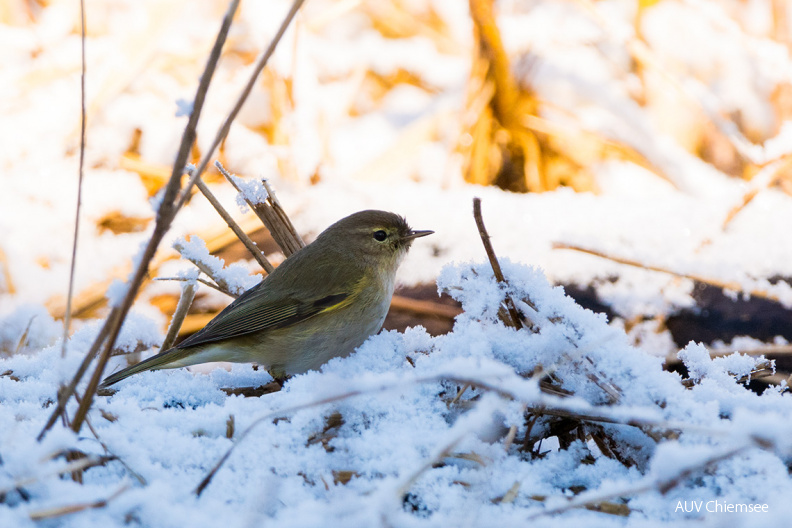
(253, 313)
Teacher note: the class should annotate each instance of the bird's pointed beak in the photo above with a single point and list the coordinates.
(416, 234)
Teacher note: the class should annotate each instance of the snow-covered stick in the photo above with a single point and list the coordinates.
(215, 274)
(271, 214)
(512, 317)
(241, 235)
(185, 301)
(165, 215)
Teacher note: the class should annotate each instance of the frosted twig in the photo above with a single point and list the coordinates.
(165, 215)
(272, 216)
(222, 284)
(241, 235)
(185, 301)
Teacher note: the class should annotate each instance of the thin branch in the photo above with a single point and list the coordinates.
(165, 215)
(514, 319)
(185, 301)
(221, 283)
(81, 174)
(249, 244)
(271, 215)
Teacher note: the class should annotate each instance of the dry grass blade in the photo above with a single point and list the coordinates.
(272, 216)
(80, 178)
(238, 231)
(60, 511)
(185, 301)
(165, 215)
(78, 465)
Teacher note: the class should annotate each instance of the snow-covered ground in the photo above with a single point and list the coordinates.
(383, 437)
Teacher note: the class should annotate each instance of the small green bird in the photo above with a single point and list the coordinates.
(322, 302)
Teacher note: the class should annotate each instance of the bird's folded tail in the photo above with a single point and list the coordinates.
(168, 359)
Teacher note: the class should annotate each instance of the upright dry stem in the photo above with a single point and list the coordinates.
(512, 316)
(272, 216)
(165, 214)
(238, 231)
(185, 301)
(80, 177)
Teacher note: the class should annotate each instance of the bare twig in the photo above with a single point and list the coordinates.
(185, 301)
(81, 174)
(165, 215)
(514, 319)
(249, 244)
(272, 216)
(734, 286)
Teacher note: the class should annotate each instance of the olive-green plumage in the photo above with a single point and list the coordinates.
(320, 303)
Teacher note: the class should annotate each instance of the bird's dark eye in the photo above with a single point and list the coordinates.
(380, 235)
